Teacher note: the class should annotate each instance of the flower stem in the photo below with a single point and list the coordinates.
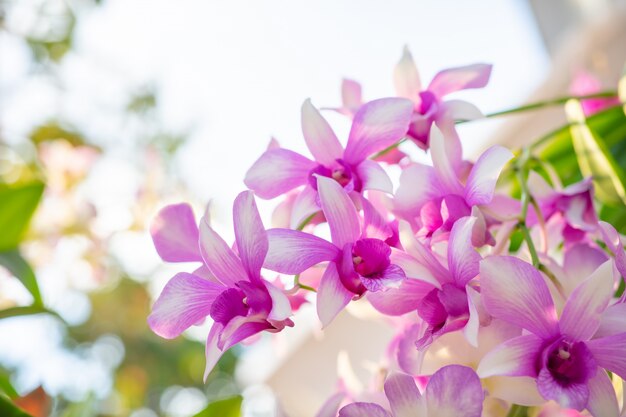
(389, 149)
(527, 199)
(546, 103)
(306, 221)
(297, 284)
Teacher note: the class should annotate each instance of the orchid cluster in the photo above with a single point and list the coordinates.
(484, 327)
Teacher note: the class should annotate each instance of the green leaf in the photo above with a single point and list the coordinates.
(557, 149)
(230, 407)
(8, 409)
(6, 386)
(594, 158)
(13, 261)
(17, 205)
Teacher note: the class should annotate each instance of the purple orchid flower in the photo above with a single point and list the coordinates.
(443, 296)
(359, 261)
(228, 287)
(452, 391)
(445, 195)
(574, 204)
(429, 106)
(377, 125)
(564, 356)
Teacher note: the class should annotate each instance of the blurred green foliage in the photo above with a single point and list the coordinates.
(8, 409)
(229, 407)
(17, 205)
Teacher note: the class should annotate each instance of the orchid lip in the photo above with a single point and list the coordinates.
(569, 362)
(370, 257)
(341, 172)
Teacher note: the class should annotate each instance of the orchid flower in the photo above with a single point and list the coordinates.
(429, 106)
(228, 288)
(444, 195)
(563, 355)
(377, 125)
(571, 206)
(359, 261)
(351, 102)
(452, 391)
(443, 296)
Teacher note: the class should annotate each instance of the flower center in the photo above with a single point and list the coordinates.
(570, 362)
(370, 257)
(341, 172)
(429, 102)
(230, 303)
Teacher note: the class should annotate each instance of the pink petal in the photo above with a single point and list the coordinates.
(602, 399)
(331, 405)
(340, 212)
(241, 328)
(409, 358)
(579, 262)
(402, 300)
(515, 291)
(277, 171)
(462, 110)
(374, 225)
(463, 260)
(281, 307)
(613, 241)
(374, 177)
(363, 410)
(212, 352)
(250, 234)
(574, 395)
(413, 269)
(185, 300)
(520, 390)
(175, 234)
(219, 257)
(304, 206)
(454, 391)
(332, 296)
(515, 357)
(470, 331)
(461, 78)
(409, 199)
(443, 164)
(406, 77)
(481, 182)
(613, 321)
(423, 255)
(319, 136)
(292, 251)
(539, 188)
(351, 96)
(610, 353)
(377, 125)
(403, 395)
(583, 310)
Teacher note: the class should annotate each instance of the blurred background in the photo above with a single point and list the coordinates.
(111, 109)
